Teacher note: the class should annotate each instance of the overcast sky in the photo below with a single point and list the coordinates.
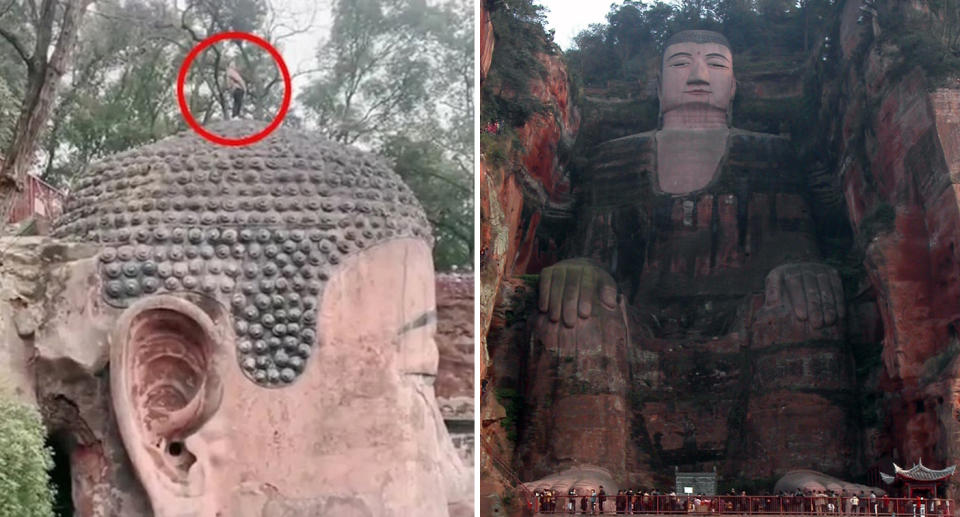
(299, 51)
(569, 17)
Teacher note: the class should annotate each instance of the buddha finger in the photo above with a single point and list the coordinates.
(588, 290)
(608, 291)
(798, 299)
(838, 296)
(547, 331)
(773, 284)
(543, 300)
(571, 293)
(557, 283)
(814, 303)
(827, 299)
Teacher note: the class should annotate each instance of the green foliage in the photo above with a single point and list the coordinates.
(926, 39)
(520, 38)
(513, 404)
(121, 90)
(496, 148)
(531, 280)
(397, 76)
(635, 32)
(25, 489)
(375, 68)
(446, 195)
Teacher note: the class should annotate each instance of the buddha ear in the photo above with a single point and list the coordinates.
(165, 359)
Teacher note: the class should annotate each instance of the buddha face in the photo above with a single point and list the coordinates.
(696, 74)
(359, 433)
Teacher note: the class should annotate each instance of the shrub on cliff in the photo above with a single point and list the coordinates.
(25, 489)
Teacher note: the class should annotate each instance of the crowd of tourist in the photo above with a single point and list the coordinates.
(630, 502)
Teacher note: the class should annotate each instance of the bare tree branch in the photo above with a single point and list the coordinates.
(7, 8)
(15, 41)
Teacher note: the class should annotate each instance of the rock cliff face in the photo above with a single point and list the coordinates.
(455, 336)
(522, 182)
(519, 191)
(897, 136)
(883, 170)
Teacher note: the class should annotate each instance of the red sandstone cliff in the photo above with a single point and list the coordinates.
(530, 177)
(899, 142)
(518, 182)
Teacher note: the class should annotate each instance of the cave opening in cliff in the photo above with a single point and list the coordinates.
(61, 476)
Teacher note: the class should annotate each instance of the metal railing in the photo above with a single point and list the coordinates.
(745, 505)
(37, 198)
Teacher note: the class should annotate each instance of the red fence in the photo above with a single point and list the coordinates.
(37, 198)
(745, 505)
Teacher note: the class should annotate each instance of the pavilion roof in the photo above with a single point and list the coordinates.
(917, 473)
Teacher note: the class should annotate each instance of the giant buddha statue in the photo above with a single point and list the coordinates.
(692, 323)
(266, 314)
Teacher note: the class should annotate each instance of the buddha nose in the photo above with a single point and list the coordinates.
(698, 73)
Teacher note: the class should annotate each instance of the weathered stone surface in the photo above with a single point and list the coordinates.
(708, 327)
(582, 478)
(819, 482)
(148, 392)
(486, 41)
(511, 199)
(455, 335)
(898, 140)
(259, 228)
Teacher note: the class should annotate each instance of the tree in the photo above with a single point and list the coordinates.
(374, 68)
(54, 25)
(446, 199)
(122, 90)
(396, 76)
(120, 93)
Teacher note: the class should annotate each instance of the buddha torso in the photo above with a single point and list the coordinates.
(716, 242)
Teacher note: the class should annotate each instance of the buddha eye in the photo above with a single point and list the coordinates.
(679, 64)
(717, 65)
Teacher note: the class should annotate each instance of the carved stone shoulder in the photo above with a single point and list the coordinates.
(619, 170)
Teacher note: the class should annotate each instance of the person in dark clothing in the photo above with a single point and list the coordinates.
(237, 87)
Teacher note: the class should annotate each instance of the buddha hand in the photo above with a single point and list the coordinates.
(813, 292)
(571, 288)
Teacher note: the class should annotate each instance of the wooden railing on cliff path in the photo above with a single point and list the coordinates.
(504, 469)
(827, 506)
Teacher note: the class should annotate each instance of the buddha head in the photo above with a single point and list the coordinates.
(271, 347)
(696, 76)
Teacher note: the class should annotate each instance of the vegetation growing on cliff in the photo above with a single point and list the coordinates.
(520, 39)
(513, 404)
(623, 48)
(25, 489)
(929, 39)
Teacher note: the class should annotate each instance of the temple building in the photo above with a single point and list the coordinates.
(918, 481)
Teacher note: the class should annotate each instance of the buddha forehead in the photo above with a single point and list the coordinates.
(701, 41)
